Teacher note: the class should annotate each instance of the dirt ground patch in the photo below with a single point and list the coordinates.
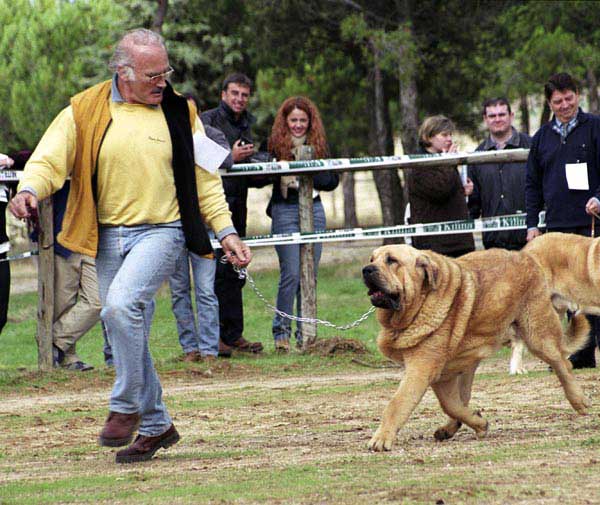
(313, 431)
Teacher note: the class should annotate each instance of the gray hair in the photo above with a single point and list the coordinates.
(138, 37)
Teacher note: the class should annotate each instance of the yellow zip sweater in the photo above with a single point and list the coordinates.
(131, 147)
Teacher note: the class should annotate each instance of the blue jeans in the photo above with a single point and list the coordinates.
(200, 333)
(132, 263)
(286, 220)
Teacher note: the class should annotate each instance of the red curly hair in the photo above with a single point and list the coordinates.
(280, 141)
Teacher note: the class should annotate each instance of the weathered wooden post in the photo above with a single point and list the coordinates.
(45, 285)
(308, 285)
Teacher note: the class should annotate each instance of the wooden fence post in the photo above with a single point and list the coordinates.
(308, 285)
(45, 285)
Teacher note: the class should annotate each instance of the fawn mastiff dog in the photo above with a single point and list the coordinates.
(571, 264)
(441, 317)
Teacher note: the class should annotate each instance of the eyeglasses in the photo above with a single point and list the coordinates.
(156, 78)
(153, 79)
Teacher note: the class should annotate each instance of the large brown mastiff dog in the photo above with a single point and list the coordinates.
(442, 316)
(571, 264)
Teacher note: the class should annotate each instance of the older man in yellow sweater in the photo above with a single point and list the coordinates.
(136, 200)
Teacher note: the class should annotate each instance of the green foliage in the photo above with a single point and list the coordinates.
(49, 50)
(204, 40)
(458, 53)
(539, 39)
(326, 81)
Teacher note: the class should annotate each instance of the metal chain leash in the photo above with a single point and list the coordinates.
(243, 274)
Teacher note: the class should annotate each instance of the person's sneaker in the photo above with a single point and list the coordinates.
(118, 429)
(144, 447)
(58, 356)
(78, 366)
(192, 356)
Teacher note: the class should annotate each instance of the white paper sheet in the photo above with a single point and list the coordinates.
(577, 176)
(208, 154)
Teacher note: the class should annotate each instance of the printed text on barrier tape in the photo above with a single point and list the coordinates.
(508, 222)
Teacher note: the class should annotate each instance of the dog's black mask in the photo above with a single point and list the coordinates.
(380, 297)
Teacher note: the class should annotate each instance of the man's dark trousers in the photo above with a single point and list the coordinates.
(228, 288)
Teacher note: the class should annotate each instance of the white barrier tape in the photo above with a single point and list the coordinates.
(498, 223)
(344, 164)
(21, 256)
(10, 175)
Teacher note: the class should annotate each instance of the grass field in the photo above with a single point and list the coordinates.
(289, 429)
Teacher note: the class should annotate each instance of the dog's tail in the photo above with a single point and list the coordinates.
(577, 332)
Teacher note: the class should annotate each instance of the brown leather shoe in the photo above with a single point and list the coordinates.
(118, 429)
(192, 356)
(144, 447)
(224, 350)
(241, 344)
(282, 346)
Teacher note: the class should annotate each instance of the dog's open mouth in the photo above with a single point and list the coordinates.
(380, 297)
(384, 300)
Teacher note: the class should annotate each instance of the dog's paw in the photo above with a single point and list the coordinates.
(447, 431)
(582, 407)
(482, 432)
(382, 441)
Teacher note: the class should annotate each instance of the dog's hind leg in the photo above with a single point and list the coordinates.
(543, 335)
(465, 383)
(449, 395)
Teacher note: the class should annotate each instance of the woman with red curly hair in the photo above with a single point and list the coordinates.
(297, 123)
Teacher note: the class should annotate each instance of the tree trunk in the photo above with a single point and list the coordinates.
(159, 17)
(592, 82)
(350, 218)
(524, 108)
(409, 115)
(381, 143)
(545, 113)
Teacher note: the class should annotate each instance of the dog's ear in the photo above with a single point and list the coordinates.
(430, 271)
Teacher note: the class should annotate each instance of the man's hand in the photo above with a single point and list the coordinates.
(23, 205)
(532, 233)
(6, 161)
(592, 207)
(239, 152)
(236, 251)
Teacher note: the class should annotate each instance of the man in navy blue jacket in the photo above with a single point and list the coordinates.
(563, 174)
